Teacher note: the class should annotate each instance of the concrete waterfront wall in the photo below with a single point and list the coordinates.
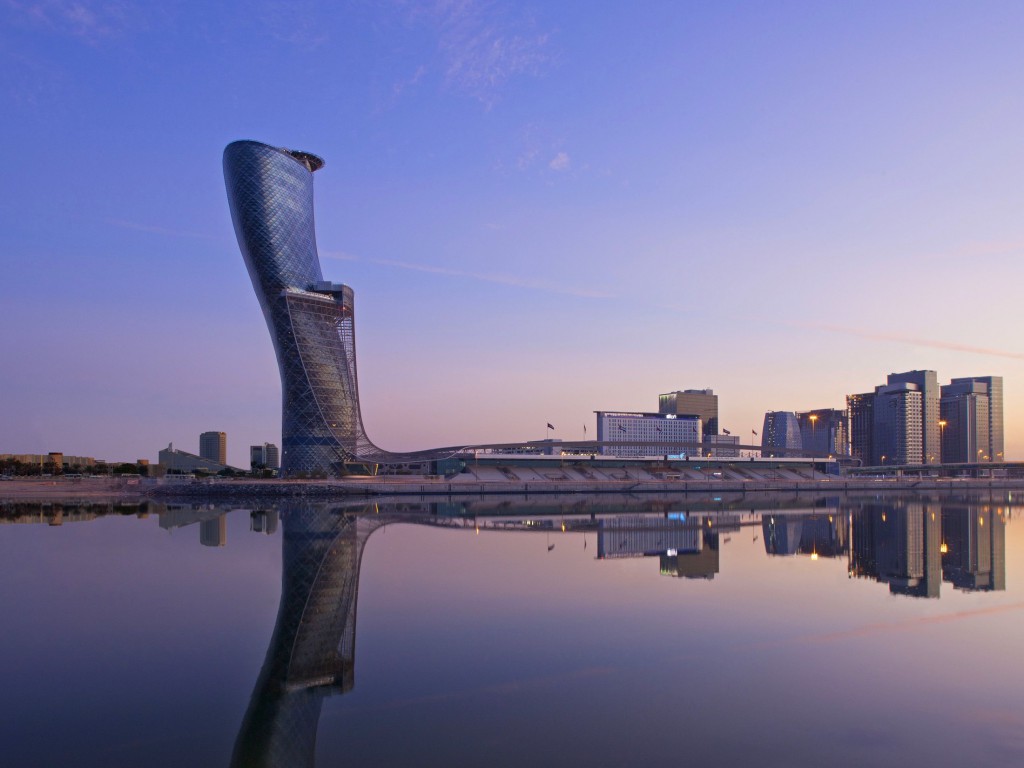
(711, 486)
(425, 486)
(419, 486)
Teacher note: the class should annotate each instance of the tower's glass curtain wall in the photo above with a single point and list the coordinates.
(311, 322)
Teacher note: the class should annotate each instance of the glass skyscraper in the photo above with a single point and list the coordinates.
(780, 435)
(311, 321)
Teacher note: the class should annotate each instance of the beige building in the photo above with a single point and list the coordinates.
(702, 403)
(213, 446)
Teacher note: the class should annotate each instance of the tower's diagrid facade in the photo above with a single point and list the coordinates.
(311, 321)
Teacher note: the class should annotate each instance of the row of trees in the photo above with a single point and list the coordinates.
(12, 467)
(31, 468)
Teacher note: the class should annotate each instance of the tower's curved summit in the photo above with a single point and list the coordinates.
(311, 321)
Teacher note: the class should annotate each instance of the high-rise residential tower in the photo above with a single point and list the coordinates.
(862, 420)
(964, 422)
(994, 384)
(213, 446)
(896, 426)
(927, 383)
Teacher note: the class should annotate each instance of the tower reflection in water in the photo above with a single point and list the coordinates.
(312, 650)
(911, 546)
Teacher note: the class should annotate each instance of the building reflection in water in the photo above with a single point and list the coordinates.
(911, 546)
(687, 546)
(823, 533)
(914, 546)
(701, 563)
(899, 545)
(974, 548)
(312, 650)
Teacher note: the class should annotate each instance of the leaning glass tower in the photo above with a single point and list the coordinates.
(311, 321)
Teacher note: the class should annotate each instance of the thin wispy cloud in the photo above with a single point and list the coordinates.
(157, 230)
(339, 255)
(986, 249)
(538, 147)
(30, 80)
(500, 279)
(298, 22)
(560, 162)
(526, 157)
(409, 82)
(483, 44)
(89, 20)
(919, 342)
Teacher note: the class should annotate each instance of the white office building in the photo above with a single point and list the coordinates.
(648, 434)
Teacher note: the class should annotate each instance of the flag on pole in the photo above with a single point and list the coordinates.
(622, 428)
(726, 432)
(550, 425)
(755, 432)
(658, 428)
(584, 429)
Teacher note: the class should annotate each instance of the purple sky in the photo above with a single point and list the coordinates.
(542, 211)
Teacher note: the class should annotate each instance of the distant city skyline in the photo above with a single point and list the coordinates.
(543, 212)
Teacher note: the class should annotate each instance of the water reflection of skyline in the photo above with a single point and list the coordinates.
(908, 545)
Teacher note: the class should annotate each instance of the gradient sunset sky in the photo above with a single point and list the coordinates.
(544, 209)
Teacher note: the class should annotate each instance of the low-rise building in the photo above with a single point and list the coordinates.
(648, 434)
(181, 461)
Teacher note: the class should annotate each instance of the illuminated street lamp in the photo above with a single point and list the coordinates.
(942, 436)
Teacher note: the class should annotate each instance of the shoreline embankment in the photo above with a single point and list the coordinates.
(55, 489)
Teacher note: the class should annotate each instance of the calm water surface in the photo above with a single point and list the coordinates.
(800, 632)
